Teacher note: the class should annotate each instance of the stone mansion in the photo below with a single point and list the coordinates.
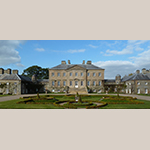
(77, 77)
(82, 78)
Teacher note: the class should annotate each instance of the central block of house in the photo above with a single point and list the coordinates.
(76, 77)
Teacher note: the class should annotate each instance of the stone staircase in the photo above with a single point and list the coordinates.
(79, 90)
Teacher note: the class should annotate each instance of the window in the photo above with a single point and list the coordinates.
(99, 83)
(94, 83)
(76, 82)
(53, 83)
(15, 91)
(138, 91)
(129, 83)
(129, 91)
(99, 74)
(146, 83)
(64, 83)
(146, 91)
(94, 74)
(76, 74)
(88, 74)
(70, 73)
(58, 83)
(58, 74)
(26, 90)
(81, 73)
(52, 74)
(70, 83)
(15, 83)
(88, 83)
(94, 90)
(7, 83)
(64, 74)
(138, 83)
(99, 91)
(81, 83)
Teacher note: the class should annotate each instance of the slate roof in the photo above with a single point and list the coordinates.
(109, 80)
(14, 77)
(136, 76)
(67, 66)
(43, 80)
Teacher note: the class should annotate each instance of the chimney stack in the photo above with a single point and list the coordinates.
(69, 62)
(15, 71)
(144, 71)
(137, 71)
(63, 62)
(8, 71)
(1, 71)
(89, 62)
(83, 62)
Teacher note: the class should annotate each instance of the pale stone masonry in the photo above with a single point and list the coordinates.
(81, 78)
(14, 83)
(78, 77)
(138, 83)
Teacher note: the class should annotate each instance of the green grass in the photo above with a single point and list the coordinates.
(4, 95)
(13, 103)
(146, 105)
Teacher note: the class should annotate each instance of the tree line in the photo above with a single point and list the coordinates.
(42, 73)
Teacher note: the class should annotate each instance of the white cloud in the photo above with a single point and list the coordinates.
(8, 52)
(40, 49)
(129, 49)
(70, 51)
(76, 51)
(92, 46)
(115, 52)
(112, 68)
(20, 65)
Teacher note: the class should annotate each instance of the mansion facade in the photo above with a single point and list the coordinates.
(77, 77)
(71, 78)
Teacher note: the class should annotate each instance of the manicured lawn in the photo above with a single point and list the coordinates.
(146, 105)
(13, 103)
(4, 95)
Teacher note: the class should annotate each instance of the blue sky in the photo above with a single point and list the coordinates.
(115, 56)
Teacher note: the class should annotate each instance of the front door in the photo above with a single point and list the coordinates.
(76, 84)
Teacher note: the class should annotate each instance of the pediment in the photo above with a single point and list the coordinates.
(76, 67)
